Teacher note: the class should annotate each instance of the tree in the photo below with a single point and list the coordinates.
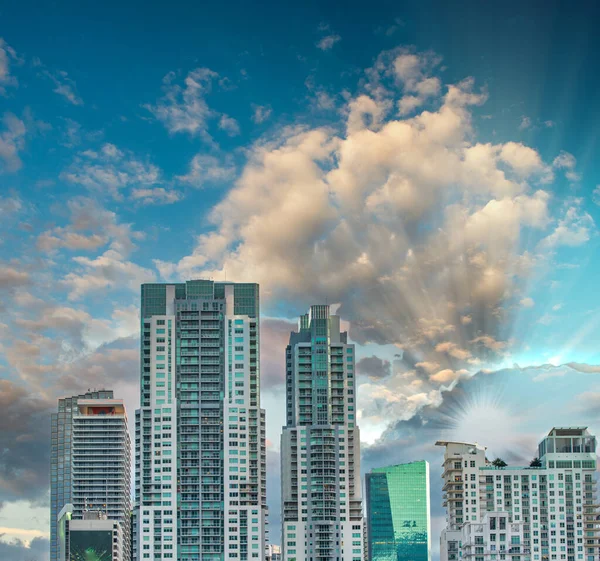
(535, 463)
(499, 463)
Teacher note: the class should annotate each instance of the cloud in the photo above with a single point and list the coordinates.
(596, 195)
(207, 169)
(109, 171)
(17, 550)
(585, 368)
(525, 123)
(432, 258)
(25, 407)
(183, 108)
(445, 376)
(156, 196)
(261, 113)
(12, 141)
(327, 42)
(7, 56)
(527, 302)
(107, 271)
(413, 72)
(566, 161)
(11, 277)
(229, 125)
(24, 438)
(91, 226)
(64, 86)
(573, 229)
(274, 338)
(373, 367)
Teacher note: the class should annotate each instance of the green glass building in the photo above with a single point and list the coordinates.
(398, 521)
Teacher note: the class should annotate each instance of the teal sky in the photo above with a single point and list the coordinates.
(429, 168)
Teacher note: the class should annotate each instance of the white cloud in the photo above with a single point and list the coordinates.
(64, 86)
(207, 169)
(417, 228)
(527, 302)
(413, 72)
(90, 227)
(447, 375)
(107, 271)
(596, 195)
(525, 123)
(184, 109)
(110, 171)
(156, 196)
(573, 229)
(7, 56)
(327, 42)
(12, 141)
(261, 113)
(566, 161)
(229, 125)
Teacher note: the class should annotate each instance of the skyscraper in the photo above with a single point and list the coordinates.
(101, 461)
(200, 431)
(398, 522)
(60, 459)
(320, 445)
(524, 513)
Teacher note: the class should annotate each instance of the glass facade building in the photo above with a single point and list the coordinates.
(398, 520)
(61, 459)
(200, 432)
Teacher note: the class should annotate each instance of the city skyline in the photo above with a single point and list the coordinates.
(428, 170)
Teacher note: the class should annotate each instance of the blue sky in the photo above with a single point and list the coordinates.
(429, 168)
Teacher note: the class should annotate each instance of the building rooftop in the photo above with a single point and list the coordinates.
(473, 444)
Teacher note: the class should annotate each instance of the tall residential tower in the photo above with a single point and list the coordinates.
(320, 445)
(200, 431)
(398, 520)
(60, 459)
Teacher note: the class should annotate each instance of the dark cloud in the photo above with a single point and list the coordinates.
(24, 444)
(113, 363)
(38, 550)
(373, 367)
(25, 417)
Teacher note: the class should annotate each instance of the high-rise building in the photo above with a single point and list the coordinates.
(60, 459)
(544, 512)
(200, 432)
(320, 445)
(101, 466)
(398, 521)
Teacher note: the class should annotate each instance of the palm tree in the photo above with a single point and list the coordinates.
(535, 463)
(499, 463)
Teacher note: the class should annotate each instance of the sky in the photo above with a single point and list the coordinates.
(430, 169)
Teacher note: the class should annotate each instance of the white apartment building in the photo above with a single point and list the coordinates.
(546, 513)
(200, 431)
(320, 445)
